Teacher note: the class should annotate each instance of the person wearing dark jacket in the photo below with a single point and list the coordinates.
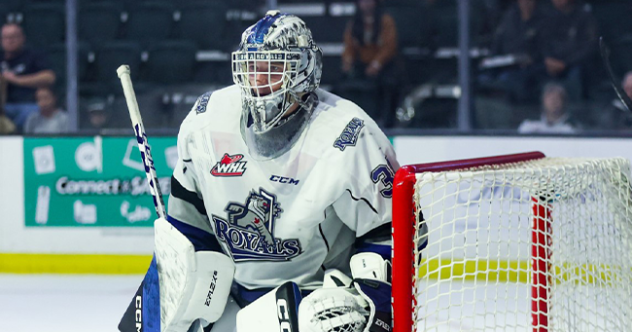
(517, 38)
(25, 70)
(370, 47)
(569, 44)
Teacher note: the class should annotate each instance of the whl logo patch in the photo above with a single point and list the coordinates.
(230, 166)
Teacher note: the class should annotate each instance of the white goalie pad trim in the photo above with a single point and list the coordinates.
(369, 265)
(193, 285)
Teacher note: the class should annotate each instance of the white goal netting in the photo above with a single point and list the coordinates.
(542, 245)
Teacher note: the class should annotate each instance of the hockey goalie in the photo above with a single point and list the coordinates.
(280, 207)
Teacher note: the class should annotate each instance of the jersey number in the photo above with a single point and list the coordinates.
(384, 173)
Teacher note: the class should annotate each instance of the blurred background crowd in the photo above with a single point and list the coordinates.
(532, 66)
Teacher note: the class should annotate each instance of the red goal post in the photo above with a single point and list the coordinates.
(548, 183)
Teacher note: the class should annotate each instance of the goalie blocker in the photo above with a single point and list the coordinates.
(182, 287)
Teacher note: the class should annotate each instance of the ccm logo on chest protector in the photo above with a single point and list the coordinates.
(283, 179)
(230, 166)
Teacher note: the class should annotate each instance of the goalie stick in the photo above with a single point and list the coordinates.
(136, 313)
(135, 321)
(141, 138)
(605, 56)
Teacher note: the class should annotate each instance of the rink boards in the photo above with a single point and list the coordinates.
(82, 249)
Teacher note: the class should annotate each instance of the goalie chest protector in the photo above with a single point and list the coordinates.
(292, 217)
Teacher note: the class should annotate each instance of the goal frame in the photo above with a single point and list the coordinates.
(402, 255)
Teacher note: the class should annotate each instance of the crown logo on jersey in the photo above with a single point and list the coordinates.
(230, 166)
(249, 231)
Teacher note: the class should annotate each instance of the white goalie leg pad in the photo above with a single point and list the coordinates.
(277, 310)
(193, 285)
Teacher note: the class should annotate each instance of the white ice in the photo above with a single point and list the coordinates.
(80, 303)
(64, 303)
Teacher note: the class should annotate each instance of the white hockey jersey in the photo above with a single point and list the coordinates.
(292, 217)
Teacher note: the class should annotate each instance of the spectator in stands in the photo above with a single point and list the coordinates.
(370, 40)
(24, 70)
(485, 20)
(50, 119)
(569, 44)
(370, 46)
(97, 115)
(555, 117)
(516, 40)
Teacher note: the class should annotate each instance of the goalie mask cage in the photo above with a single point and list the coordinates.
(514, 243)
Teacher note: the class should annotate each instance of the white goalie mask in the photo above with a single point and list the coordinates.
(276, 65)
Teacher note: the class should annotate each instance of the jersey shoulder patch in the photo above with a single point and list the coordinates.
(202, 102)
(350, 134)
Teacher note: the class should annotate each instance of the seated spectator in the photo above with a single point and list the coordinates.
(50, 119)
(370, 45)
(569, 45)
(516, 42)
(555, 119)
(97, 115)
(24, 71)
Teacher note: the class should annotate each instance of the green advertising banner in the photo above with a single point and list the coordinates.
(92, 181)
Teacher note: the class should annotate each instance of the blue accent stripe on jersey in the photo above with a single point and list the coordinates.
(151, 299)
(178, 191)
(202, 240)
(261, 29)
(382, 250)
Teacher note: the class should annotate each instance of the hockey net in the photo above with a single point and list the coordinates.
(514, 243)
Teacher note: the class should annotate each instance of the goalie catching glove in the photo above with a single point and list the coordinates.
(359, 305)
